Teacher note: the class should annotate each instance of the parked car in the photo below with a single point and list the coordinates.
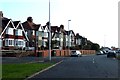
(105, 51)
(100, 52)
(111, 53)
(117, 51)
(76, 53)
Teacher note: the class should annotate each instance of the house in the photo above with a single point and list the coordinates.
(7, 34)
(57, 36)
(31, 30)
(1, 15)
(84, 41)
(78, 40)
(61, 36)
(40, 40)
(70, 38)
(43, 37)
(20, 40)
(12, 35)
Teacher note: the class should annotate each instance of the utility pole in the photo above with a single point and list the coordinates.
(104, 40)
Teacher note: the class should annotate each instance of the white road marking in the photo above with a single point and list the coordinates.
(93, 60)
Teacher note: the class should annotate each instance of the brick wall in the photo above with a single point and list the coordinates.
(65, 52)
(85, 52)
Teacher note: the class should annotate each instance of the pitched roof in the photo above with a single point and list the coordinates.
(6, 23)
(68, 32)
(54, 28)
(78, 36)
(30, 25)
(44, 27)
(16, 23)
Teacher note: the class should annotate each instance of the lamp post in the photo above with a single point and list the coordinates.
(49, 35)
(68, 36)
(104, 40)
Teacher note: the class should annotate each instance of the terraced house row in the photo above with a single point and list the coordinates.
(31, 36)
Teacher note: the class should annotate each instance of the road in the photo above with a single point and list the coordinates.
(92, 66)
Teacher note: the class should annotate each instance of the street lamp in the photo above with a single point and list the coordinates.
(49, 35)
(68, 36)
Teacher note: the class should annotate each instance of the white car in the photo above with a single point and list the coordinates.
(76, 53)
(100, 53)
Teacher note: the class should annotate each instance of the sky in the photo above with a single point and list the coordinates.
(97, 20)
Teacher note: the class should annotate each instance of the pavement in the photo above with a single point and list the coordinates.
(17, 60)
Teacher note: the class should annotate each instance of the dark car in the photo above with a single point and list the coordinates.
(111, 54)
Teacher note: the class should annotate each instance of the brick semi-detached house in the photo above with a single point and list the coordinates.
(12, 35)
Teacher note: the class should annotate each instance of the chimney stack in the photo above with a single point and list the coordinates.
(1, 14)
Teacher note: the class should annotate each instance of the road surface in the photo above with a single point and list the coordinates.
(85, 67)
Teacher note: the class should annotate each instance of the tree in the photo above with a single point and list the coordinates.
(95, 46)
(87, 47)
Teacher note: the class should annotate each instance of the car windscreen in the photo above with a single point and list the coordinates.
(73, 52)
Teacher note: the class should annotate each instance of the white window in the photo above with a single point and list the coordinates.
(61, 39)
(6, 42)
(16, 42)
(45, 34)
(19, 42)
(57, 35)
(10, 31)
(9, 42)
(45, 30)
(33, 32)
(42, 33)
(57, 39)
(44, 43)
(37, 33)
(18, 32)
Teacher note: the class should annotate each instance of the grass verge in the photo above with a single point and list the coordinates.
(21, 71)
(118, 57)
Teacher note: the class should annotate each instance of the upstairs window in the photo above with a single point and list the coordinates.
(45, 34)
(10, 31)
(18, 32)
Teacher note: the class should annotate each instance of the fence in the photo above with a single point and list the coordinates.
(44, 53)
